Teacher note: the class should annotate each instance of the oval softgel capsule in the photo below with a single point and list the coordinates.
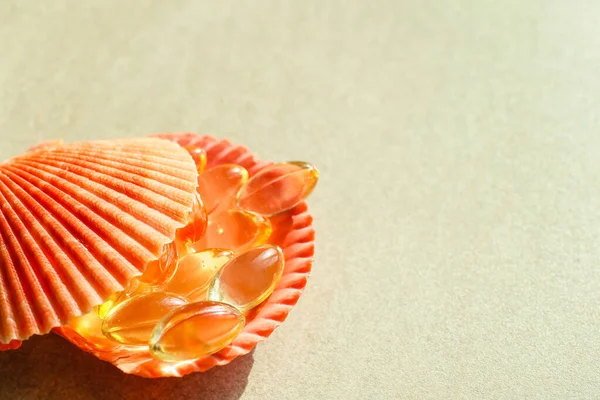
(278, 188)
(195, 272)
(249, 278)
(219, 185)
(237, 230)
(195, 330)
(131, 322)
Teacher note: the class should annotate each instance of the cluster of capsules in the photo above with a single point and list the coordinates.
(194, 300)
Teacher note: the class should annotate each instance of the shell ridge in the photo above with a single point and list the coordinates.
(10, 277)
(77, 250)
(161, 223)
(46, 231)
(124, 257)
(51, 274)
(24, 282)
(103, 179)
(9, 326)
(125, 144)
(159, 169)
(148, 145)
(159, 149)
(135, 175)
(300, 250)
(169, 168)
(105, 217)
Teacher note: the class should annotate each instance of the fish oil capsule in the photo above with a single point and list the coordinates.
(89, 326)
(132, 321)
(196, 227)
(105, 307)
(237, 230)
(134, 288)
(219, 185)
(162, 269)
(248, 279)
(278, 188)
(196, 330)
(199, 156)
(195, 272)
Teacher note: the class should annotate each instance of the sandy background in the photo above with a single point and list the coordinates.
(458, 213)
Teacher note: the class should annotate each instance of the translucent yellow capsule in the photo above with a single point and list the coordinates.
(162, 269)
(219, 185)
(132, 321)
(134, 288)
(237, 230)
(278, 188)
(103, 308)
(197, 223)
(195, 272)
(90, 327)
(199, 156)
(195, 330)
(249, 278)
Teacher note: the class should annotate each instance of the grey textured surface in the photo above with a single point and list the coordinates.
(457, 216)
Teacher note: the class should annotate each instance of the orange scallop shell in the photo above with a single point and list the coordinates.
(293, 232)
(79, 221)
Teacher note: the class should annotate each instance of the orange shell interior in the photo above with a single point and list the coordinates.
(292, 231)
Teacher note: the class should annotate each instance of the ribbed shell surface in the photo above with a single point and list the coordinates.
(79, 221)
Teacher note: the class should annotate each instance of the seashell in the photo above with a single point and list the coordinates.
(47, 144)
(293, 233)
(14, 344)
(79, 221)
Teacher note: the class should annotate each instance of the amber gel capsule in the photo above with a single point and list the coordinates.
(162, 269)
(195, 272)
(132, 321)
(237, 230)
(195, 330)
(90, 327)
(220, 184)
(248, 279)
(278, 188)
(199, 156)
(134, 288)
(104, 308)
(196, 226)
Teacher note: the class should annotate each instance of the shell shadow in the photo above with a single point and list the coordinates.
(49, 367)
